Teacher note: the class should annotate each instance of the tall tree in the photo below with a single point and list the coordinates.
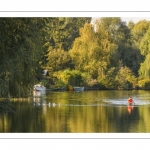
(144, 71)
(116, 28)
(91, 51)
(20, 52)
(138, 32)
(122, 36)
(58, 59)
(63, 31)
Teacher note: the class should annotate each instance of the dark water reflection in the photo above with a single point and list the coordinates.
(80, 112)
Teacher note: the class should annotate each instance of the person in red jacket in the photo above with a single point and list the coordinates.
(130, 100)
(130, 106)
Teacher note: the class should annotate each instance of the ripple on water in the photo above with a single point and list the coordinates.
(124, 102)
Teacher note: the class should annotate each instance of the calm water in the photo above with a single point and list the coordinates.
(79, 112)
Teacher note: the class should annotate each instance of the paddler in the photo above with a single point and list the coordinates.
(130, 100)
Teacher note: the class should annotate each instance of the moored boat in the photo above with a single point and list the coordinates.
(78, 88)
(39, 87)
(39, 93)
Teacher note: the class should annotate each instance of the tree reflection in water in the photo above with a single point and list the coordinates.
(79, 112)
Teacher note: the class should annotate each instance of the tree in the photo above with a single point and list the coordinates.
(125, 78)
(116, 28)
(20, 51)
(91, 52)
(131, 25)
(57, 59)
(62, 31)
(144, 71)
(138, 32)
(130, 57)
(121, 35)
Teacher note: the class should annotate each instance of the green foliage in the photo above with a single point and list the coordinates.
(115, 27)
(90, 53)
(119, 78)
(122, 36)
(138, 31)
(130, 57)
(125, 78)
(108, 53)
(144, 84)
(62, 31)
(57, 59)
(131, 25)
(145, 43)
(144, 71)
(73, 77)
(20, 54)
(109, 81)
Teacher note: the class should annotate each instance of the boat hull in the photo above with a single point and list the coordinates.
(39, 93)
(39, 87)
(78, 88)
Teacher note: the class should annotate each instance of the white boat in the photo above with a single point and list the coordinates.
(39, 93)
(76, 88)
(39, 87)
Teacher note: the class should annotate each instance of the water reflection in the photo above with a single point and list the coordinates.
(79, 112)
(130, 108)
(39, 93)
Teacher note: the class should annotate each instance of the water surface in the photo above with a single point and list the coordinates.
(79, 112)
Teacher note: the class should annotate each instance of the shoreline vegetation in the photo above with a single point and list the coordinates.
(62, 87)
(104, 54)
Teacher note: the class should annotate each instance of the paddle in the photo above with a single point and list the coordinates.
(129, 95)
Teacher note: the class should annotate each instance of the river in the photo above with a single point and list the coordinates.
(97, 111)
